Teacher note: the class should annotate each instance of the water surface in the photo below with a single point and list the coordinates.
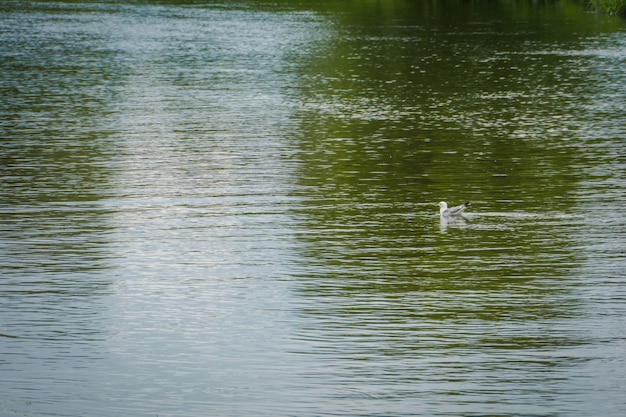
(231, 209)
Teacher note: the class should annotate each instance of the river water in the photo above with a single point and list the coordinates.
(230, 209)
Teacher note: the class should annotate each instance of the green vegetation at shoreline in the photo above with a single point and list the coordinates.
(617, 7)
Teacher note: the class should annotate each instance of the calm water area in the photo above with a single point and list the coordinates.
(230, 208)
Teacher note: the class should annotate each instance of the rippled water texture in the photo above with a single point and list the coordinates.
(231, 209)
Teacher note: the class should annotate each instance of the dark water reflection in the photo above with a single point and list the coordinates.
(231, 209)
(400, 115)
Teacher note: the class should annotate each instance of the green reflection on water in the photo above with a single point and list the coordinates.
(56, 155)
(396, 115)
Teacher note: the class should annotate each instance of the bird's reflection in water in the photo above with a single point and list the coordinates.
(452, 222)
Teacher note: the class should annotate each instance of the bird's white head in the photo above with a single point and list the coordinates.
(443, 206)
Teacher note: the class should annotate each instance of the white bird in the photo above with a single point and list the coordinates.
(444, 211)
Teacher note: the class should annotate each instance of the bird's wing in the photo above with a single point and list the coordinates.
(458, 209)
